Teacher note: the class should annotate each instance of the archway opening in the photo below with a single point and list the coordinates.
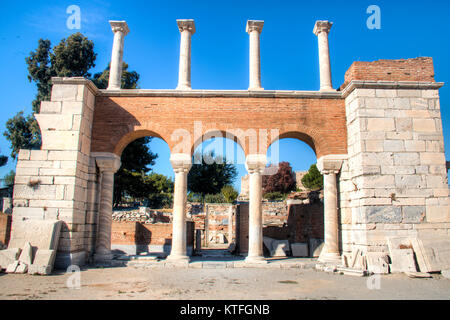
(218, 163)
(292, 212)
(143, 197)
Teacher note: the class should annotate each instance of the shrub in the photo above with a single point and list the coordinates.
(214, 198)
(313, 180)
(229, 193)
(274, 196)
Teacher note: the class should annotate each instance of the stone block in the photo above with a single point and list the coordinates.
(299, 249)
(424, 125)
(43, 234)
(432, 253)
(377, 262)
(413, 214)
(49, 107)
(26, 256)
(380, 124)
(8, 256)
(315, 247)
(21, 268)
(382, 214)
(43, 262)
(402, 261)
(11, 268)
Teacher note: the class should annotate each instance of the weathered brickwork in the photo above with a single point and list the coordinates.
(119, 120)
(417, 69)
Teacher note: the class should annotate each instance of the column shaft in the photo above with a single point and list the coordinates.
(179, 217)
(184, 74)
(103, 244)
(331, 247)
(255, 61)
(324, 62)
(255, 243)
(120, 29)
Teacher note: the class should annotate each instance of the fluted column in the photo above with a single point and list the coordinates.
(321, 30)
(187, 29)
(120, 29)
(254, 28)
(108, 164)
(330, 167)
(255, 165)
(181, 164)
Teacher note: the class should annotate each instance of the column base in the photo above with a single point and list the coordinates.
(327, 89)
(103, 257)
(177, 257)
(255, 259)
(256, 89)
(331, 258)
(183, 88)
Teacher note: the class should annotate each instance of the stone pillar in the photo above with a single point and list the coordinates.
(254, 28)
(181, 163)
(330, 167)
(108, 164)
(120, 29)
(321, 30)
(187, 29)
(255, 165)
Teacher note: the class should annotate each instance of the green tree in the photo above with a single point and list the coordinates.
(129, 78)
(8, 180)
(3, 160)
(313, 179)
(210, 173)
(230, 194)
(72, 57)
(136, 161)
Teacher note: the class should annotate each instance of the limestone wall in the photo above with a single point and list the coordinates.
(395, 180)
(58, 181)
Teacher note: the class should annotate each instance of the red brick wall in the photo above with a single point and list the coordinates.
(417, 69)
(5, 228)
(296, 223)
(136, 233)
(119, 120)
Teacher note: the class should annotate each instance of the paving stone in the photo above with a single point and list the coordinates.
(43, 234)
(433, 253)
(377, 262)
(43, 262)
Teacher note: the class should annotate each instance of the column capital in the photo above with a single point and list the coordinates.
(119, 26)
(186, 24)
(330, 163)
(107, 162)
(254, 25)
(256, 163)
(322, 26)
(181, 162)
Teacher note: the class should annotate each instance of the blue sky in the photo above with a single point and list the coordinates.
(220, 47)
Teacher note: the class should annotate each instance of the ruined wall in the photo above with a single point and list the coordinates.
(295, 222)
(53, 183)
(135, 237)
(395, 180)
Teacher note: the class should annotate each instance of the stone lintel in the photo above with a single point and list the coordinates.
(322, 26)
(366, 84)
(107, 161)
(186, 24)
(181, 161)
(254, 25)
(255, 163)
(119, 26)
(330, 163)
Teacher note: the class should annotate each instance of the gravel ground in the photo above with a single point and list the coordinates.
(218, 284)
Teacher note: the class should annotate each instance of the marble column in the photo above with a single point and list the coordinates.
(330, 167)
(187, 29)
(321, 30)
(181, 163)
(120, 29)
(254, 28)
(255, 165)
(108, 164)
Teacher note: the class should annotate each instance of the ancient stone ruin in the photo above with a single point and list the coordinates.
(378, 140)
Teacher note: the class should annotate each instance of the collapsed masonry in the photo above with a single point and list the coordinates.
(378, 141)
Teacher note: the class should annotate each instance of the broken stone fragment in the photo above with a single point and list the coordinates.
(12, 267)
(26, 257)
(21, 268)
